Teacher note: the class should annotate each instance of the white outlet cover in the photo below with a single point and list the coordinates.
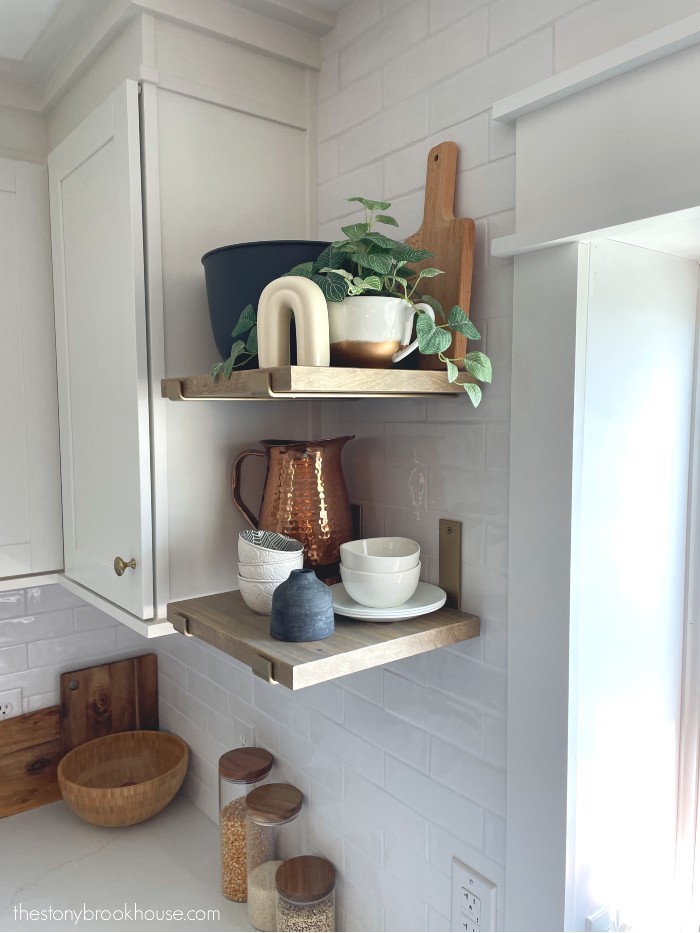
(466, 885)
(14, 698)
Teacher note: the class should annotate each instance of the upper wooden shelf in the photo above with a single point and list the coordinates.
(224, 621)
(299, 382)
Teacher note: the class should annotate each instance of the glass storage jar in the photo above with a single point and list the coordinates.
(306, 894)
(240, 770)
(268, 810)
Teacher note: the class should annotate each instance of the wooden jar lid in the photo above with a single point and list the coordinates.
(274, 803)
(305, 879)
(245, 765)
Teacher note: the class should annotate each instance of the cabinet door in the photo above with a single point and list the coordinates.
(30, 490)
(97, 238)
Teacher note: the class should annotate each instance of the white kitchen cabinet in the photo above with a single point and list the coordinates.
(140, 189)
(95, 194)
(30, 497)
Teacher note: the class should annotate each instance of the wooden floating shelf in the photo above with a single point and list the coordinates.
(224, 621)
(306, 382)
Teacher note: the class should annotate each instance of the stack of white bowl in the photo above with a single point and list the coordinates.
(380, 572)
(265, 559)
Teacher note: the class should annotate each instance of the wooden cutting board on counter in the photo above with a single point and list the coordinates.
(452, 241)
(117, 697)
(30, 749)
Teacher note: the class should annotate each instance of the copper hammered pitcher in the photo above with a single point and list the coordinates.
(305, 496)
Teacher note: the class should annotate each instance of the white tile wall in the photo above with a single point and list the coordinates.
(45, 631)
(402, 767)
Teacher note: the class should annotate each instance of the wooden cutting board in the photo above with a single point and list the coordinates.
(30, 749)
(452, 241)
(117, 697)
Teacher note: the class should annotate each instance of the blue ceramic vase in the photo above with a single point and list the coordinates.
(302, 608)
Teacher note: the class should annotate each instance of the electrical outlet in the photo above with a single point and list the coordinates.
(473, 900)
(10, 703)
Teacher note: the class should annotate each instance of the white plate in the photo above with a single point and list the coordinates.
(427, 598)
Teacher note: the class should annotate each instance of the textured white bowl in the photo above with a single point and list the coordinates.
(257, 594)
(266, 547)
(277, 570)
(380, 555)
(380, 590)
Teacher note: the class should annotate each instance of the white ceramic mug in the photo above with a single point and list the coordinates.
(371, 331)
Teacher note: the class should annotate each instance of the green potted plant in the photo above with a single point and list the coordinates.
(373, 293)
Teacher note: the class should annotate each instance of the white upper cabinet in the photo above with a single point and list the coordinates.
(97, 238)
(30, 496)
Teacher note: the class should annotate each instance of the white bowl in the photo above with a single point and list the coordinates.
(277, 570)
(257, 594)
(380, 555)
(380, 590)
(266, 547)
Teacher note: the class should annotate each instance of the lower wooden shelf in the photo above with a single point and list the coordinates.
(299, 382)
(224, 621)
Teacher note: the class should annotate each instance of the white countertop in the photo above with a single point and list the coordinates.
(50, 858)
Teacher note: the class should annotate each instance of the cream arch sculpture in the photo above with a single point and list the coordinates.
(295, 295)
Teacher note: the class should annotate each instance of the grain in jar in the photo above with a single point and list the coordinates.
(268, 810)
(305, 894)
(240, 771)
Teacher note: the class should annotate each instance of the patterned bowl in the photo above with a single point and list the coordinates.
(257, 594)
(275, 570)
(267, 547)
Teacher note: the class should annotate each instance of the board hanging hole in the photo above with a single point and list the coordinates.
(436, 157)
(73, 684)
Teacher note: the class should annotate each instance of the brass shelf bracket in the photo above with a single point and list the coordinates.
(450, 561)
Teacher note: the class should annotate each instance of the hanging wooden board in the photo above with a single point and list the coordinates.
(117, 697)
(30, 749)
(452, 241)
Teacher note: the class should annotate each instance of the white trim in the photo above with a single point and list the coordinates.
(585, 228)
(150, 170)
(221, 18)
(32, 579)
(688, 839)
(148, 628)
(232, 100)
(631, 55)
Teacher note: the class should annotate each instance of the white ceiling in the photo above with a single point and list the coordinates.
(21, 22)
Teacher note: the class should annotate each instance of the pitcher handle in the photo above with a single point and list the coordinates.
(236, 486)
(400, 354)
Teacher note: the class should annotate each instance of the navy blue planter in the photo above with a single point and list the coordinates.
(302, 608)
(236, 275)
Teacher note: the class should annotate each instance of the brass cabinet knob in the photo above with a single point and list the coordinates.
(120, 565)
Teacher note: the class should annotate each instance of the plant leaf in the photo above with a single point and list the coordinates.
(474, 393)
(215, 370)
(355, 231)
(377, 262)
(334, 287)
(252, 341)
(434, 304)
(329, 257)
(386, 219)
(428, 274)
(236, 351)
(459, 321)
(378, 239)
(372, 205)
(301, 271)
(245, 321)
(479, 365)
(342, 247)
(452, 371)
(404, 253)
(370, 283)
(431, 339)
